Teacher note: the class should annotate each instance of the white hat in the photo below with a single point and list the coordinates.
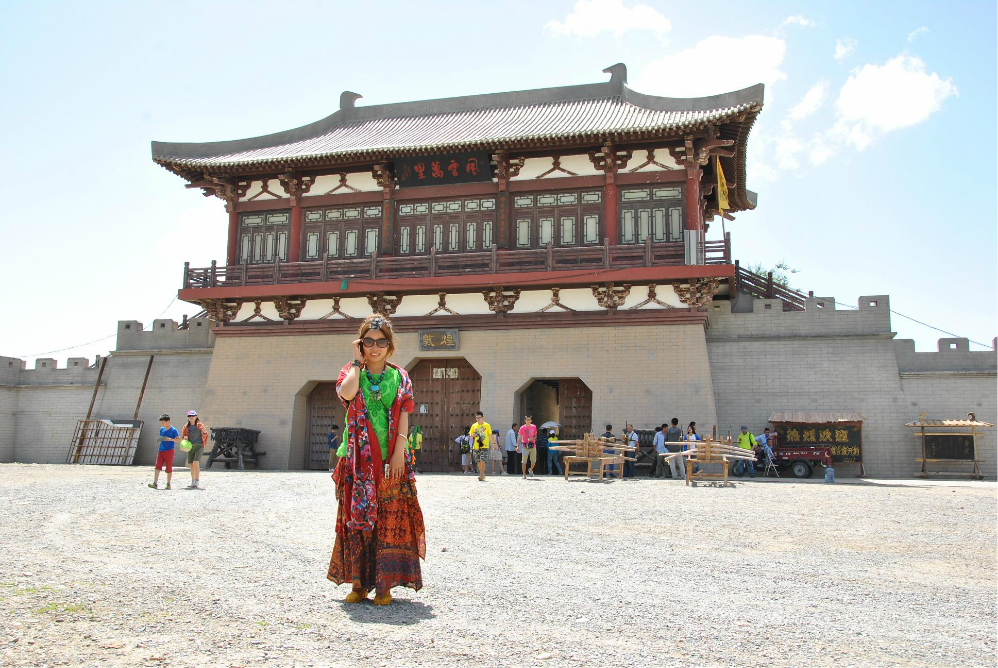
(192, 413)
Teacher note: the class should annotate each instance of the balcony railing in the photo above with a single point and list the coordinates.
(451, 264)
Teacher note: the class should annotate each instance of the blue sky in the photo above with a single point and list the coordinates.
(873, 157)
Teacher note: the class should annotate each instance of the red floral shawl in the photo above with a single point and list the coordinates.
(358, 480)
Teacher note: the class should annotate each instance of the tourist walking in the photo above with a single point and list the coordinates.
(692, 435)
(542, 449)
(197, 434)
(673, 441)
(481, 439)
(746, 441)
(379, 525)
(168, 436)
(554, 456)
(526, 445)
(631, 439)
(659, 449)
(609, 435)
(495, 455)
(512, 453)
(415, 445)
(464, 442)
(333, 440)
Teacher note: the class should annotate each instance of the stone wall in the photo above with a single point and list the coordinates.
(261, 382)
(824, 359)
(39, 407)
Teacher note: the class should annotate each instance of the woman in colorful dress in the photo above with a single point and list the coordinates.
(379, 525)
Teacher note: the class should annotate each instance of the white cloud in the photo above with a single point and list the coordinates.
(798, 20)
(843, 47)
(715, 65)
(877, 99)
(915, 33)
(810, 103)
(786, 152)
(592, 17)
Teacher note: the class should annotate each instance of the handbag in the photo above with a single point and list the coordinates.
(185, 445)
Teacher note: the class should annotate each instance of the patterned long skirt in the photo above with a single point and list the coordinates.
(388, 556)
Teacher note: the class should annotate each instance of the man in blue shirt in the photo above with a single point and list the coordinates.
(763, 440)
(168, 436)
(658, 444)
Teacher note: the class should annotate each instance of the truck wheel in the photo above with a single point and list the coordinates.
(801, 469)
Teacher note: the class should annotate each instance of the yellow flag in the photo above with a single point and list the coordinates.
(722, 187)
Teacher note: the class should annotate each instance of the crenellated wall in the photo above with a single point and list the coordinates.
(39, 407)
(827, 359)
(745, 366)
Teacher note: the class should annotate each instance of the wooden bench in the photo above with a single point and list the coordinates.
(591, 451)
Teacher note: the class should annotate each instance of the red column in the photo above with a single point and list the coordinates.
(232, 253)
(387, 245)
(693, 221)
(610, 217)
(294, 241)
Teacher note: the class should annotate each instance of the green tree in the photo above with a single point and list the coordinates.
(781, 272)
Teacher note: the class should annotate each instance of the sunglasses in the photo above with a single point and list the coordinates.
(370, 343)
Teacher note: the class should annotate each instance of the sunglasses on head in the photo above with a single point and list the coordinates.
(370, 343)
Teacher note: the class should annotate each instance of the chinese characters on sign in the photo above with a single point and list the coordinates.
(845, 440)
(435, 170)
(957, 447)
(439, 339)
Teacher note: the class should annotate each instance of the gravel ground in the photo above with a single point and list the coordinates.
(98, 569)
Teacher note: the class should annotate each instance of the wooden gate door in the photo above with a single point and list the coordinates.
(324, 410)
(575, 408)
(448, 392)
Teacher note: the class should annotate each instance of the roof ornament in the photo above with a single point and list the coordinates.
(348, 98)
(618, 73)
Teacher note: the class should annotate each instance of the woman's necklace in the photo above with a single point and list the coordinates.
(375, 383)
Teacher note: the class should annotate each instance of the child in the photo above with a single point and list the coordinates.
(464, 440)
(168, 436)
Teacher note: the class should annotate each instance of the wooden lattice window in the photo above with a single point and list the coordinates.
(651, 211)
(341, 232)
(569, 218)
(451, 226)
(263, 236)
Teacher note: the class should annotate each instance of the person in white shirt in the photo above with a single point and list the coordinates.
(512, 454)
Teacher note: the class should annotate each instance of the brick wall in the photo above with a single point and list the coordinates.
(637, 374)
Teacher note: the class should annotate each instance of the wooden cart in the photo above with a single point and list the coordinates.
(591, 451)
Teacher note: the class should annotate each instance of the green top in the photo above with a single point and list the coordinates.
(378, 411)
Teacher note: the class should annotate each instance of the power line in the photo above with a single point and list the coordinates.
(925, 324)
(104, 338)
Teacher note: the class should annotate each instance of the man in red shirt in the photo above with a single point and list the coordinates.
(528, 441)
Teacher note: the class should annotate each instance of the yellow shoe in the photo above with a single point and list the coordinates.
(357, 595)
(383, 599)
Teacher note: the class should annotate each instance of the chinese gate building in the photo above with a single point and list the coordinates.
(540, 251)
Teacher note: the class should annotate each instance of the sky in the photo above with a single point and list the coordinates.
(873, 157)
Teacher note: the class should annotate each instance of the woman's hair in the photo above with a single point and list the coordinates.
(381, 323)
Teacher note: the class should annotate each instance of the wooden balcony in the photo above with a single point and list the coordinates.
(435, 265)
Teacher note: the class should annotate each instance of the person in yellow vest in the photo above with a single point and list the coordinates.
(481, 438)
(415, 444)
(747, 442)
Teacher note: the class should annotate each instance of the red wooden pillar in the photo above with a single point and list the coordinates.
(232, 252)
(610, 208)
(693, 221)
(384, 178)
(294, 240)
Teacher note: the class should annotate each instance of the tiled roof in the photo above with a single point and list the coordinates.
(471, 129)
(584, 114)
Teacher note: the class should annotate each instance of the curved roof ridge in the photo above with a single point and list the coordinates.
(350, 115)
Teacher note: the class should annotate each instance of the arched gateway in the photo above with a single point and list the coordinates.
(448, 394)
